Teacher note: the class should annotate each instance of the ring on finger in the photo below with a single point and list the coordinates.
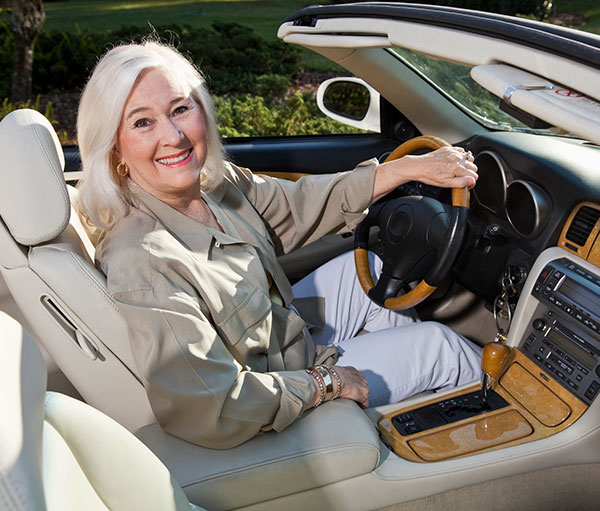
(467, 156)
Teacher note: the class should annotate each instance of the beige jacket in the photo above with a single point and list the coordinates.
(219, 359)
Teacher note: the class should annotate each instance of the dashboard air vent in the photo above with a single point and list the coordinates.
(582, 224)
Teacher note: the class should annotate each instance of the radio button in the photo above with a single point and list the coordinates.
(579, 377)
(559, 374)
(572, 384)
(558, 303)
(537, 357)
(545, 273)
(552, 282)
(592, 390)
(568, 309)
(557, 275)
(537, 288)
(549, 366)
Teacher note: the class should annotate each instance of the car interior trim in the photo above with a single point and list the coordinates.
(469, 49)
(545, 407)
(582, 47)
(587, 228)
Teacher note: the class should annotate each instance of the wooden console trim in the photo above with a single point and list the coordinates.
(581, 251)
(513, 425)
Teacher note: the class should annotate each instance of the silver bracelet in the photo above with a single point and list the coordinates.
(335, 374)
(319, 381)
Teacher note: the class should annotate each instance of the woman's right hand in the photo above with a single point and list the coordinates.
(354, 385)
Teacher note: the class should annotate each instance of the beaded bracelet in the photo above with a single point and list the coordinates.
(335, 374)
(319, 381)
(327, 380)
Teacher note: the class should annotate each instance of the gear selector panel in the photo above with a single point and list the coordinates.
(446, 412)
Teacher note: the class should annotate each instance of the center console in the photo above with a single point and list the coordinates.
(564, 337)
(551, 378)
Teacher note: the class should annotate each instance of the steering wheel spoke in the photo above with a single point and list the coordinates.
(386, 287)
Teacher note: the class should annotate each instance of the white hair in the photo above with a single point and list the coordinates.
(104, 195)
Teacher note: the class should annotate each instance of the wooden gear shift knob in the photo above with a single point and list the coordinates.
(494, 358)
(493, 361)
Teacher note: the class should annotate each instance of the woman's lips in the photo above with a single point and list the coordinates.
(178, 159)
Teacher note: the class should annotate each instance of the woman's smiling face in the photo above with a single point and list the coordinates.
(162, 137)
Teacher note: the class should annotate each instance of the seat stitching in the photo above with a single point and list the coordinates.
(93, 280)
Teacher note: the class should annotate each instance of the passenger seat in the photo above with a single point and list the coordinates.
(57, 453)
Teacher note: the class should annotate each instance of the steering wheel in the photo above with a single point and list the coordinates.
(419, 238)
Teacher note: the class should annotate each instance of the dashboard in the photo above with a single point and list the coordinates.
(528, 188)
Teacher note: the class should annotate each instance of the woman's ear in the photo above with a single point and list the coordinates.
(116, 156)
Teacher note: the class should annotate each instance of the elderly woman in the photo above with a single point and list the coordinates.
(190, 245)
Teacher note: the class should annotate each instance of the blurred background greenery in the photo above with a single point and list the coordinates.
(261, 85)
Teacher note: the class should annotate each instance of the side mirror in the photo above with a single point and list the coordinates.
(350, 101)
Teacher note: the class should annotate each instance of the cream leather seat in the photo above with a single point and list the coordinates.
(46, 260)
(58, 453)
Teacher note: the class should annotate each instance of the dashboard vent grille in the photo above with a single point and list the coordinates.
(582, 224)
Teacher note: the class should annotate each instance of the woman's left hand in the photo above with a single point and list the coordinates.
(447, 167)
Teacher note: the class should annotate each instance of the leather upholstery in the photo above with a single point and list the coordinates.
(33, 164)
(58, 453)
(46, 260)
(65, 301)
(333, 443)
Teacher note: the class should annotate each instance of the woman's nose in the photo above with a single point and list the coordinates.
(171, 133)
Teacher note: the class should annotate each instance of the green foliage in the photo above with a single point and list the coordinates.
(243, 116)
(232, 56)
(538, 8)
(347, 98)
(7, 107)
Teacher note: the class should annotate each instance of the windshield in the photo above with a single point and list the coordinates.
(455, 81)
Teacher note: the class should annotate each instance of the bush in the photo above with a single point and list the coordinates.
(251, 116)
(537, 8)
(7, 107)
(232, 56)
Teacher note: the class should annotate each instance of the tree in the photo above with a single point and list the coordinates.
(28, 17)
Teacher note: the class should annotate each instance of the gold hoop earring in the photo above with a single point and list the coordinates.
(122, 169)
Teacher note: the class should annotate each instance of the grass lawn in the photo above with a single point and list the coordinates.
(264, 16)
(99, 15)
(588, 8)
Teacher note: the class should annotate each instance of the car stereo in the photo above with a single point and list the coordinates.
(564, 336)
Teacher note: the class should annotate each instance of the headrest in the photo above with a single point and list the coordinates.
(34, 202)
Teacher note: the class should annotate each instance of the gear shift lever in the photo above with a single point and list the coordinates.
(493, 361)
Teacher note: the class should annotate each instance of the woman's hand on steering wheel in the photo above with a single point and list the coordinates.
(446, 167)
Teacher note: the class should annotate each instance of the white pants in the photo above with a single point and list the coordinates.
(400, 356)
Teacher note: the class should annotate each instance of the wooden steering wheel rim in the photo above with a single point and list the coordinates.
(460, 197)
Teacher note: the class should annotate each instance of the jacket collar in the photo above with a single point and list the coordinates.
(193, 234)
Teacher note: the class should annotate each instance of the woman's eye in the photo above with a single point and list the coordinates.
(142, 123)
(181, 109)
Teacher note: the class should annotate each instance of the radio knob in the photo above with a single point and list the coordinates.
(539, 324)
